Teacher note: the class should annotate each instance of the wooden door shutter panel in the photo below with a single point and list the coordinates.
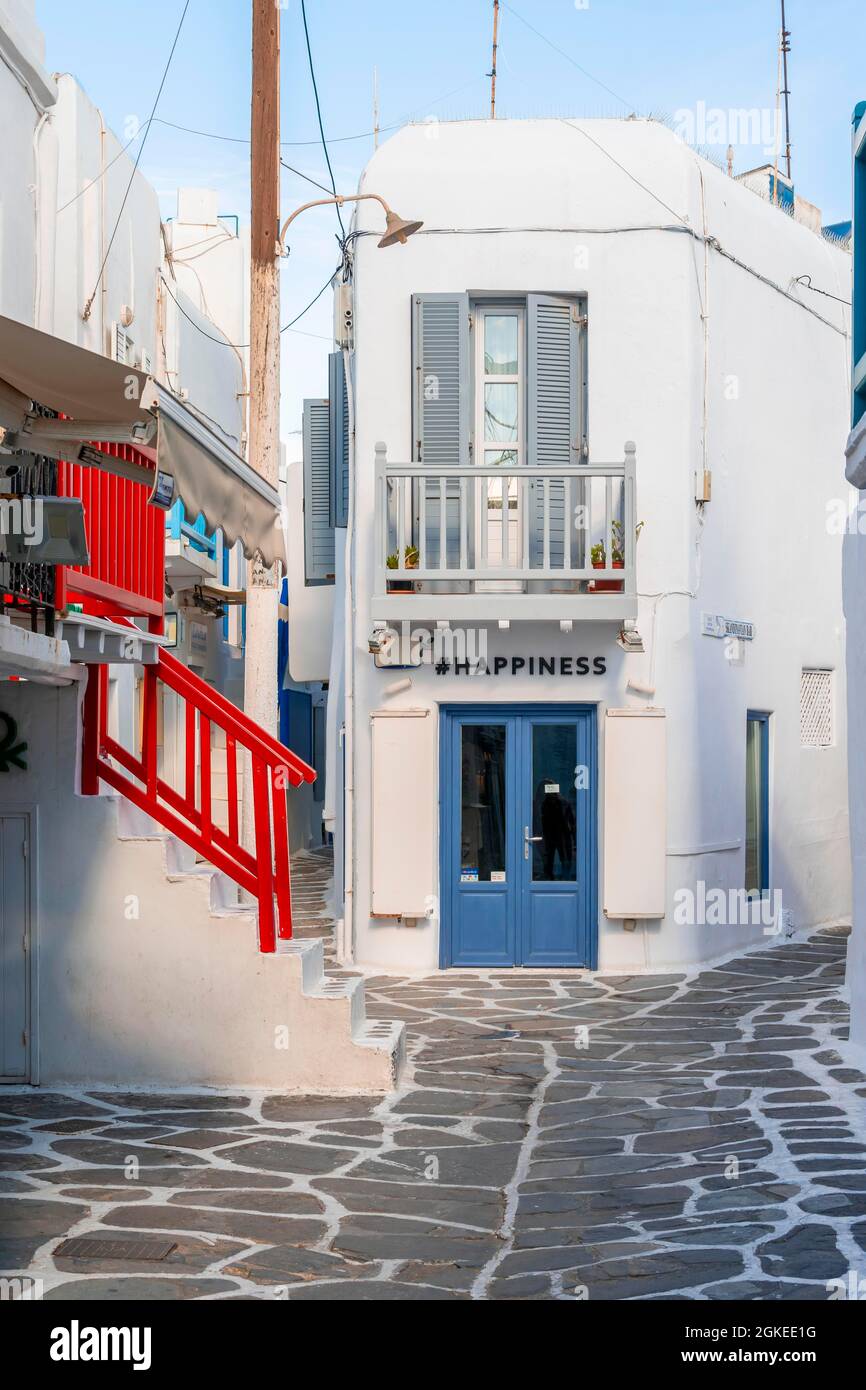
(555, 410)
(441, 405)
(318, 527)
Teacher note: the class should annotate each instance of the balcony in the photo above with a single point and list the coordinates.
(505, 543)
(190, 551)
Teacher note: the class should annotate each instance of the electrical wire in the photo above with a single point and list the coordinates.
(319, 118)
(806, 282)
(89, 303)
(223, 342)
(567, 56)
(314, 182)
(333, 139)
(284, 144)
(682, 229)
(103, 172)
(578, 130)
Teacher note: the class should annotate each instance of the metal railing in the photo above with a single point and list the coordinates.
(506, 527)
(178, 528)
(187, 812)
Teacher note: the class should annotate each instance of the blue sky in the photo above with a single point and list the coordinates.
(660, 56)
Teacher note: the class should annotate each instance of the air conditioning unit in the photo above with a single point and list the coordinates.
(122, 345)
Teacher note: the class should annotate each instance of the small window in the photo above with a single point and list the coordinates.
(816, 708)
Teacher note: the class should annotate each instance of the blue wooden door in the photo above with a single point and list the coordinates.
(518, 836)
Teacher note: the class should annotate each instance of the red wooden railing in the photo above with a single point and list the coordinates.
(187, 813)
(126, 542)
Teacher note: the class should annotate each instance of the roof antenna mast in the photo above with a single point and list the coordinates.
(492, 72)
(786, 49)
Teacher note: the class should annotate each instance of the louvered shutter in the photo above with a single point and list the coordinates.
(339, 427)
(318, 530)
(440, 420)
(555, 414)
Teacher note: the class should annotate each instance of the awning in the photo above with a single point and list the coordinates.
(112, 402)
(216, 482)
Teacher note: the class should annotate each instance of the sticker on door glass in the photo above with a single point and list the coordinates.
(497, 875)
(468, 875)
(550, 788)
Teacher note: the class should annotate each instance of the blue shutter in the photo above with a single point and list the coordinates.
(296, 723)
(441, 404)
(318, 528)
(555, 414)
(339, 426)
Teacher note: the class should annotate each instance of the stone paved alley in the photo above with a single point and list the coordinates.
(706, 1142)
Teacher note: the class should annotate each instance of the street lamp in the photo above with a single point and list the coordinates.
(396, 228)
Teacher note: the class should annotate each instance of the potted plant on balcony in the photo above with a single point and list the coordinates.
(410, 562)
(598, 558)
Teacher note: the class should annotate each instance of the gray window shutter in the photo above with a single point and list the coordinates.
(318, 529)
(556, 410)
(441, 404)
(339, 426)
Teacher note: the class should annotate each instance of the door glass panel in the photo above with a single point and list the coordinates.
(482, 803)
(501, 458)
(500, 411)
(554, 803)
(756, 807)
(500, 344)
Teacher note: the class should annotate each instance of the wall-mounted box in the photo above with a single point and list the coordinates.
(635, 819)
(404, 807)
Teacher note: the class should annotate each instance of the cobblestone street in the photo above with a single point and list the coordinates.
(701, 1139)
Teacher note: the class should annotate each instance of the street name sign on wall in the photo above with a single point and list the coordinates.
(714, 625)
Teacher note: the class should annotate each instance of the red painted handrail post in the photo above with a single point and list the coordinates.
(90, 741)
(232, 785)
(281, 854)
(264, 864)
(189, 751)
(149, 731)
(204, 777)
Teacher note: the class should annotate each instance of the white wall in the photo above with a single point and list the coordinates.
(855, 614)
(138, 981)
(776, 408)
(27, 94)
(208, 274)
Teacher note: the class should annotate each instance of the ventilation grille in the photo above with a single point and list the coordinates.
(816, 709)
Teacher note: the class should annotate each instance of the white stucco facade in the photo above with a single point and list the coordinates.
(702, 350)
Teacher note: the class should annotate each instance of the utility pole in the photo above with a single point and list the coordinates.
(786, 49)
(260, 654)
(492, 73)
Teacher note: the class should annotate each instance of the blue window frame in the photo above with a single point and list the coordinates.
(757, 802)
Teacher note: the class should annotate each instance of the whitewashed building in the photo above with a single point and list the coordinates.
(585, 555)
(143, 938)
(855, 587)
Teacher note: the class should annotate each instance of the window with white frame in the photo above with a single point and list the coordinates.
(499, 425)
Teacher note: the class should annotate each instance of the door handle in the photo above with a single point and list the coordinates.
(529, 840)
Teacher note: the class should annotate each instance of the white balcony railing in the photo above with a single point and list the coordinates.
(505, 541)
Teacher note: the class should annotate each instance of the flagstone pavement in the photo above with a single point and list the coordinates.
(696, 1135)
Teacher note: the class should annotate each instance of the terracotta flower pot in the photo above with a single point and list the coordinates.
(606, 586)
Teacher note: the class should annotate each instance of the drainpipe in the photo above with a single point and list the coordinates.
(44, 180)
(349, 689)
(103, 287)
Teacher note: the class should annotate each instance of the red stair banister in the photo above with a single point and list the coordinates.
(188, 814)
